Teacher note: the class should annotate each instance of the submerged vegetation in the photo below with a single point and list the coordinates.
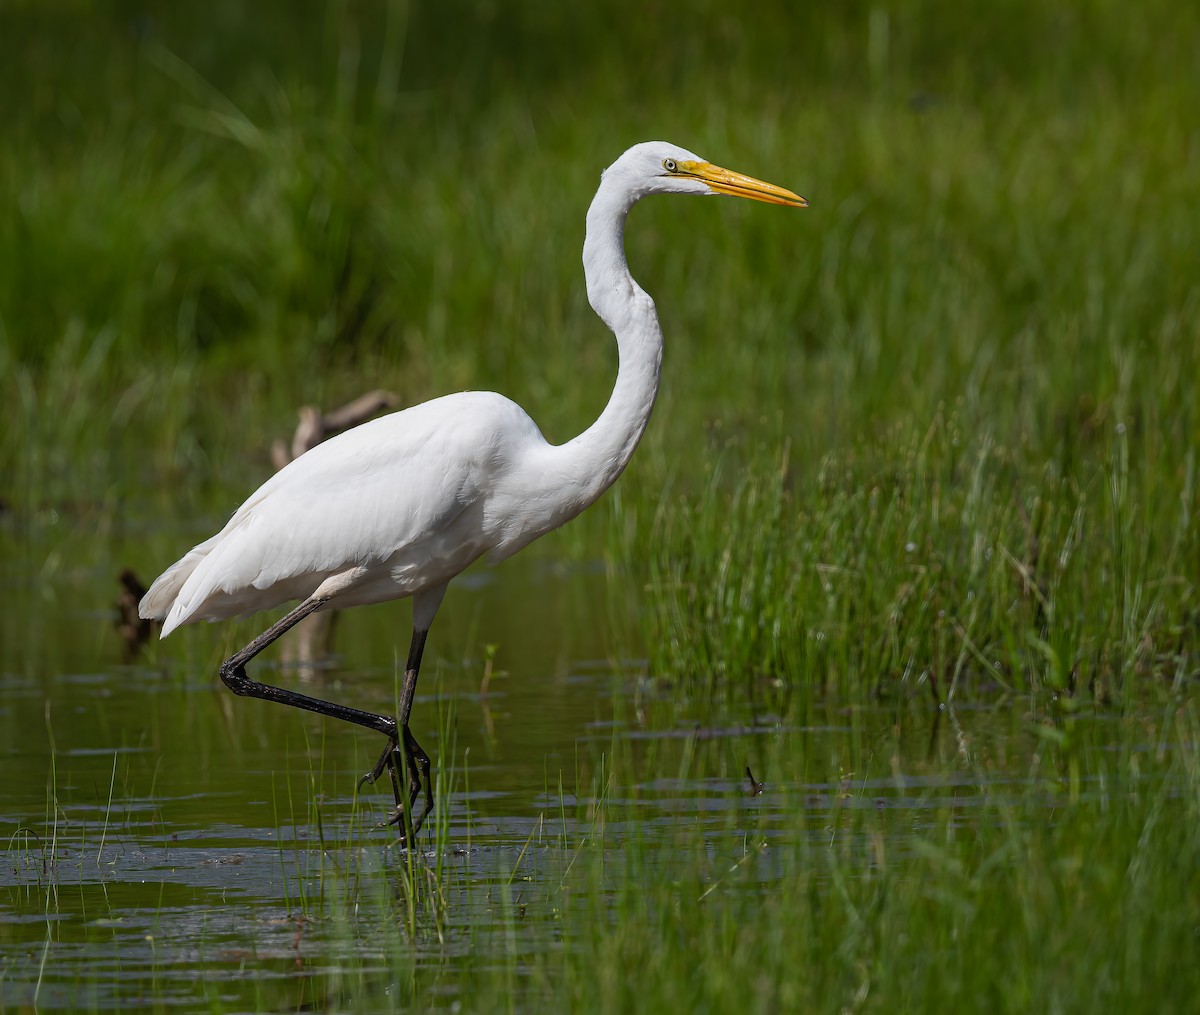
(983, 860)
(924, 466)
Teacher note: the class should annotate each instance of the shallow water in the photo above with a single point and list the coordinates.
(168, 841)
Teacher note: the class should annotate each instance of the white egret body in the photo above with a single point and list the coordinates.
(398, 506)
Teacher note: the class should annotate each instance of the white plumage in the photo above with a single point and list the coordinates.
(398, 506)
(393, 506)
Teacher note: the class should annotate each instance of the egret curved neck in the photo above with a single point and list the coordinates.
(594, 459)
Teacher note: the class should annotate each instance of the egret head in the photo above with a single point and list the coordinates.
(658, 167)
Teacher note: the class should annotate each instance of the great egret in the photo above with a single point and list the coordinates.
(400, 505)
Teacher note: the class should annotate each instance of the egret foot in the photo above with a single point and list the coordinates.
(386, 761)
(417, 766)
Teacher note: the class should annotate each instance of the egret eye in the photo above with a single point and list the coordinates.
(669, 165)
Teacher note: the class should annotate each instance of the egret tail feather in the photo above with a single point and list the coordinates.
(159, 599)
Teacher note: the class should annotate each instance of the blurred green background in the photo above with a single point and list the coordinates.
(214, 214)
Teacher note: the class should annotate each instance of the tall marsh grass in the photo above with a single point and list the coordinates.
(938, 566)
(938, 429)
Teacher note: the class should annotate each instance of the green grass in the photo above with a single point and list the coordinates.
(979, 339)
(940, 565)
(933, 439)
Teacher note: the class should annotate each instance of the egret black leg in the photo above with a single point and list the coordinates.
(233, 674)
(420, 777)
(414, 760)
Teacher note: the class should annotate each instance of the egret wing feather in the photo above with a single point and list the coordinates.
(394, 505)
(162, 593)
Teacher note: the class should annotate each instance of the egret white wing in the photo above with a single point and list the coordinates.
(390, 500)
